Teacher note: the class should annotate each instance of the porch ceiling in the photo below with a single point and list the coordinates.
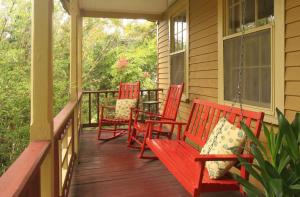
(146, 9)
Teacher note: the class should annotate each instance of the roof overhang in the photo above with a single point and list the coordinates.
(134, 9)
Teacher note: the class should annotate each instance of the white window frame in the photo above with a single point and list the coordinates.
(277, 61)
(185, 94)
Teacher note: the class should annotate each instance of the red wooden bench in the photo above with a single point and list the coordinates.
(184, 161)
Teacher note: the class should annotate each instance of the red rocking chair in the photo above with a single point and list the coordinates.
(169, 113)
(112, 125)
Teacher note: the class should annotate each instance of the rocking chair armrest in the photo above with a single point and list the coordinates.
(168, 122)
(108, 107)
(218, 157)
(165, 122)
(145, 112)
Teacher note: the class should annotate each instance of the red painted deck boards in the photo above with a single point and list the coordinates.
(110, 169)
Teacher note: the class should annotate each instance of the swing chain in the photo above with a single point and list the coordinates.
(238, 92)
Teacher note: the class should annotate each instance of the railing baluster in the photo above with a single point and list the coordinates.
(98, 110)
(90, 109)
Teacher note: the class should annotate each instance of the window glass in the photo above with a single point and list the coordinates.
(178, 43)
(265, 8)
(256, 70)
(257, 13)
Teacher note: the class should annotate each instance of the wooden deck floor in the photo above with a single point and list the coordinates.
(110, 169)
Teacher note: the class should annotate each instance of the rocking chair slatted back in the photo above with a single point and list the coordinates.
(205, 115)
(172, 102)
(129, 91)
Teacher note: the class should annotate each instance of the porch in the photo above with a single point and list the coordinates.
(112, 169)
(64, 157)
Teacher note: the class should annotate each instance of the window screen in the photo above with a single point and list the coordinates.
(256, 70)
(178, 46)
(177, 68)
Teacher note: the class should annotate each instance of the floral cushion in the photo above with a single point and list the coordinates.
(223, 137)
(123, 107)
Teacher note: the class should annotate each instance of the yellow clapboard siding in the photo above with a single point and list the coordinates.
(204, 58)
(292, 44)
(203, 97)
(213, 65)
(163, 49)
(164, 75)
(292, 59)
(210, 74)
(163, 70)
(206, 9)
(208, 83)
(163, 59)
(163, 44)
(293, 15)
(204, 49)
(197, 18)
(207, 23)
(163, 54)
(204, 41)
(292, 3)
(163, 27)
(212, 92)
(163, 37)
(292, 88)
(204, 33)
(292, 74)
(163, 81)
(292, 29)
(292, 103)
(163, 65)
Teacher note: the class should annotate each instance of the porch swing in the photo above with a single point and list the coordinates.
(196, 172)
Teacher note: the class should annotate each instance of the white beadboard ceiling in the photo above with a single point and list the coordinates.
(126, 6)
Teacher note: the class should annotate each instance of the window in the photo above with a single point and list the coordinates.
(178, 28)
(257, 66)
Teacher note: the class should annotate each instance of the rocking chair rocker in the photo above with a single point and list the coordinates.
(169, 114)
(126, 91)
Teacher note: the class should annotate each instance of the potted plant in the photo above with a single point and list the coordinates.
(277, 165)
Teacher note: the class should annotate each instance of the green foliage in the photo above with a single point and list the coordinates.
(278, 164)
(107, 43)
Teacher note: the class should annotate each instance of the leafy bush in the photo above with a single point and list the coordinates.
(277, 165)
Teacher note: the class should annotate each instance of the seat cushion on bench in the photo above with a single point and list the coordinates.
(223, 137)
(177, 156)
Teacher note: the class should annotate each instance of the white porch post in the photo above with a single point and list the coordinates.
(41, 126)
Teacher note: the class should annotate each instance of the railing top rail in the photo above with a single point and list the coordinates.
(14, 180)
(62, 117)
(116, 91)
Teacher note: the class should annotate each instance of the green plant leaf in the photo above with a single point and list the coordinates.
(283, 163)
(295, 187)
(277, 186)
(252, 137)
(296, 126)
(269, 141)
(249, 188)
(286, 130)
(271, 170)
(251, 171)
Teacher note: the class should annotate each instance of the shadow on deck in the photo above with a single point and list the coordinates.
(110, 169)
